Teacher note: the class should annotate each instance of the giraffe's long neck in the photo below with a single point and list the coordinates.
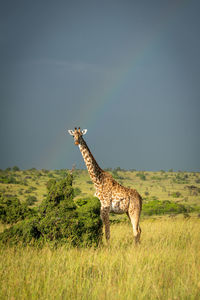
(93, 168)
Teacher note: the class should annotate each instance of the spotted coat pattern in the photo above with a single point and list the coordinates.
(113, 196)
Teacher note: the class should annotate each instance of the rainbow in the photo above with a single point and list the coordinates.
(106, 99)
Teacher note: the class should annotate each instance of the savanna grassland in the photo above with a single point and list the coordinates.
(165, 265)
(181, 187)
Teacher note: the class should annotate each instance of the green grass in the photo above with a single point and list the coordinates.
(164, 266)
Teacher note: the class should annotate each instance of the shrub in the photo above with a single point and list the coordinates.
(90, 224)
(16, 168)
(24, 182)
(116, 175)
(89, 182)
(25, 232)
(50, 175)
(141, 175)
(180, 178)
(156, 207)
(12, 211)
(30, 200)
(156, 178)
(32, 169)
(77, 191)
(176, 194)
(57, 214)
(45, 171)
(59, 220)
(8, 169)
(8, 180)
(193, 190)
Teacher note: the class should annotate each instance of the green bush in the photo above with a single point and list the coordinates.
(156, 178)
(176, 194)
(16, 168)
(89, 222)
(77, 191)
(180, 178)
(57, 214)
(156, 207)
(12, 211)
(30, 200)
(50, 175)
(116, 175)
(8, 179)
(59, 220)
(141, 175)
(8, 169)
(25, 232)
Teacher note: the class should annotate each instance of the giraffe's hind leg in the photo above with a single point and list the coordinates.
(134, 216)
(136, 228)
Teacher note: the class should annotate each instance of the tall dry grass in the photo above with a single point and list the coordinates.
(166, 265)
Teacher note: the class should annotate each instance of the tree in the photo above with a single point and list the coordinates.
(16, 168)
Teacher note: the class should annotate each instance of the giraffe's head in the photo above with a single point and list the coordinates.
(77, 134)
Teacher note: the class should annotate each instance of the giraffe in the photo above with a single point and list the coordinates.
(113, 196)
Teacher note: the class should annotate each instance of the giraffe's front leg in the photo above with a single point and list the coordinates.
(105, 219)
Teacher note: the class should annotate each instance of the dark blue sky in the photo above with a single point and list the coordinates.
(128, 71)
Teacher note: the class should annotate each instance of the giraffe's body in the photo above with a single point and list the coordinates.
(113, 196)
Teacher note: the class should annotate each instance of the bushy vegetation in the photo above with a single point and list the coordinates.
(12, 210)
(180, 178)
(30, 200)
(176, 194)
(116, 175)
(89, 225)
(141, 176)
(16, 168)
(8, 179)
(156, 207)
(59, 220)
(158, 178)
(77, 191)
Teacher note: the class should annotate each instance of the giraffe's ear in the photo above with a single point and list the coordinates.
(71, 132)
(84, 131)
